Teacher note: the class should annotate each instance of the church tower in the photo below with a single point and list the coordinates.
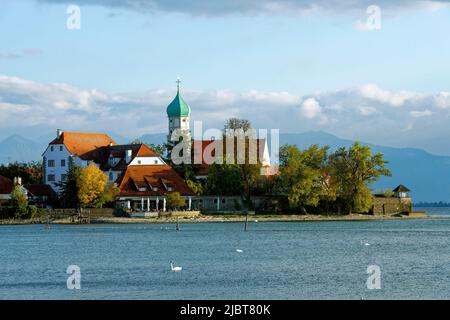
(178, 114)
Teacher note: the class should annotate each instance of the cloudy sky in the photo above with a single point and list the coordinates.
(296, 65)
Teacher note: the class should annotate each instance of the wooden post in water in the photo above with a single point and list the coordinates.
(246, 221)
(178, 226)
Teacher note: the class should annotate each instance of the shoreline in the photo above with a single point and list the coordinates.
(231, 218)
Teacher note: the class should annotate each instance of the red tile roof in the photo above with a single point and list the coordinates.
(6, 185)
(150, 176)
(39, 190)
(83, 143)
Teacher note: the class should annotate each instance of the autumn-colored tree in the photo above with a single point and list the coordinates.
(91, 185)
(108, 195)
(31, 173)
(175, 200)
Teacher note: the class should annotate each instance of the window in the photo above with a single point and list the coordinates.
(51, 163)
(63, 162)
(111, 176)
(223, 200)
(51, 178)
(60, 148)
(142, 189)
(63, 177)
(51, 148)
(154, 188)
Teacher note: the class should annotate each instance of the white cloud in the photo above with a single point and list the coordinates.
(252, 7)
(396, 99)
(442, 100)
(367, 113)
(420, 114)
(311, 108)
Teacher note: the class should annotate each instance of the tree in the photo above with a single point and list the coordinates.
(107, 196)
(195, 186)
(236, 124)
(302, 176)
(223, 179)
(352, 171)
(91, 184)
(249, 171)
(175, 201)
(19, 202)
(68, 195)
(30, 173)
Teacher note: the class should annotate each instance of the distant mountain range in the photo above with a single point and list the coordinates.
(427, 175)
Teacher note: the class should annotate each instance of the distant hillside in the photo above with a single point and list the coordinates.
(17, 148)
(428, 176)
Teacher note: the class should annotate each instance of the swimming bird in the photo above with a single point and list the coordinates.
(239, 250)
(175, 269)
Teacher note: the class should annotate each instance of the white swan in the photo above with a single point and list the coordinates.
(175, 269)
(239, 250)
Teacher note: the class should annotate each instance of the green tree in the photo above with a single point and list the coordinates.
(19, 202)
(303, 177)
(223, 179)
(249, 171)
(68, 195)
(175, 201)
(195, 186)
(352, 171)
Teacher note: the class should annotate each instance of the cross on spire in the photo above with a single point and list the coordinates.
(178, 84)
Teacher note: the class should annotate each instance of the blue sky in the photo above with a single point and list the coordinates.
(301, 66)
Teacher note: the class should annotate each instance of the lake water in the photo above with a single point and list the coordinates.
(280, 260)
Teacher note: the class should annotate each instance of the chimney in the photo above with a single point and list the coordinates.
(18, 181)
(128, 154)
(58, 133)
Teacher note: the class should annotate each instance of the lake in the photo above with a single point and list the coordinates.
(279, 260)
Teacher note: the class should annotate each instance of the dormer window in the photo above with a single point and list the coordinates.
(155, 189)
(142, 189)
(60, 148)
(51, 148)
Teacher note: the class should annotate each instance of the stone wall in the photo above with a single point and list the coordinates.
(387, 206)
(225, 203)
